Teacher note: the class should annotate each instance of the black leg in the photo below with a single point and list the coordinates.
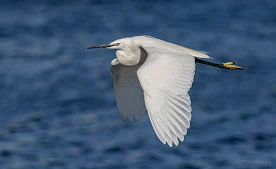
(228, 65)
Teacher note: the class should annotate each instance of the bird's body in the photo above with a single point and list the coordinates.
(130, 54)
(153, 75)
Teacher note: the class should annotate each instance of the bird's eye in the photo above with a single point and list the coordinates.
(114, 44)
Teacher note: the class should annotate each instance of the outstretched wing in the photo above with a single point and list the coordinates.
(166, 77)
(128, 91)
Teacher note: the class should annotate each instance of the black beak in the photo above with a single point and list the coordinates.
(103, 46)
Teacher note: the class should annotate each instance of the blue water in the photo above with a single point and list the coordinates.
(57, 108)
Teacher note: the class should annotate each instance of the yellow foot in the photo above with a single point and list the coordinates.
(230, 65)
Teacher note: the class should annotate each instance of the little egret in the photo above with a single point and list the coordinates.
(153, 75)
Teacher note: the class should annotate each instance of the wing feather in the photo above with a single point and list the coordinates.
(166, 79)
(128, 91)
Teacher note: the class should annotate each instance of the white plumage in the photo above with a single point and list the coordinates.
(154, 76)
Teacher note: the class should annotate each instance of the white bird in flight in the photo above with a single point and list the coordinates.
(153, 75)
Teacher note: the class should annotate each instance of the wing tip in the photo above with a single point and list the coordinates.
(176, 143)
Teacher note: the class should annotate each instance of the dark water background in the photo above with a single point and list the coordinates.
(56, 101)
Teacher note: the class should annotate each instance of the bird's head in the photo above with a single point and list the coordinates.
(117, 44)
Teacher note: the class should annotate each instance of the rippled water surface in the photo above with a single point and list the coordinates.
(57, 108)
